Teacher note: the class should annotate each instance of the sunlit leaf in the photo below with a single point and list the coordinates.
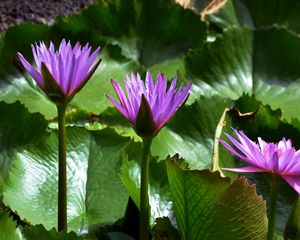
(95, 192)
(242, 61)
(208, 206)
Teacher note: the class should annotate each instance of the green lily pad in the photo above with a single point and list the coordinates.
(242, 61)
(10, 231)
(208, 206)
(18, 130)
(257, 14)
(95, 192)
(191, 132)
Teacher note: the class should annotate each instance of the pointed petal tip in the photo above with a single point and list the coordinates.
(109, 97)
(98, 49)
(114, 83)
(189, 85)
(148, 74)
(19, 55)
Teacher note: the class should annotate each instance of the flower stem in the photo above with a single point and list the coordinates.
(62, 169)
(274, 188)
(144, 198)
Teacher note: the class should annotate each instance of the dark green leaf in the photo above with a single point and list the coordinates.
(116, 236)
(163, 229)
(258, 14)
(18, 130)
(39, 232)
(8, 227)
(292, 228)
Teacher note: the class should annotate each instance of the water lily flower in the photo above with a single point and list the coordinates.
(279, 158)
(61, 73)
(148, 106)
(154, 103)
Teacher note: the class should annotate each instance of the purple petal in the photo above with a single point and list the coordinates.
(293, 167)
(85, 64)
(234, 152)
(172, 104)
(249, 169)
(70, 74)
(62, 45)
(272, 157)
(248, 144)
(61, 74)
(32, 71)
(121, 96)
(36, 59)
(54, 66)
(121, 109)
(77, 50)
(134, 97)
(287, 161)
(240, 147)
(252, 152)
(149, 86)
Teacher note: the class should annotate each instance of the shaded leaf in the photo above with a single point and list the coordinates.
(8, 227)
(258, 14)
(163, 229)
(292, 227)
(39, 232)
(116, 236)
(18, 130)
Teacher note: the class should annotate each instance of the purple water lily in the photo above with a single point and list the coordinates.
(163, 102)
(148, 106)
(280, 158)
(62, 72)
